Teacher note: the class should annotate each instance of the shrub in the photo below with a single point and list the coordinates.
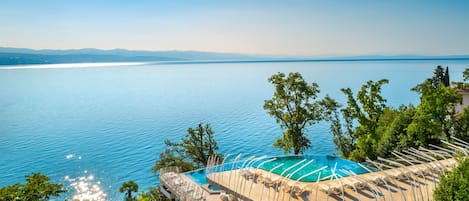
(454, 185)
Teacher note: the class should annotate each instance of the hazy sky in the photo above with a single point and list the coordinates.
(290, 27)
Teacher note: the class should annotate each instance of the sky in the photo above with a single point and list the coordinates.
(272, 27)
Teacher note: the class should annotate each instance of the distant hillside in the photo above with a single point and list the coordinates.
(18, 56)
(14, 56)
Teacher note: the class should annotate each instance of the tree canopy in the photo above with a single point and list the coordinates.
(294, 107)
(434, 116)
(154, 194)
(466, 75)
(461, 126)
(37, 187)
(356, 137)
(128, 188)
(368, 128)
(192, 152)
(454, 186)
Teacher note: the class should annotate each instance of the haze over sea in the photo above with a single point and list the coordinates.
(99, 126)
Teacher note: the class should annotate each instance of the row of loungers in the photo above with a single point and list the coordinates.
(336, 183)
(384, 177)
(186, 189)
(410, 168)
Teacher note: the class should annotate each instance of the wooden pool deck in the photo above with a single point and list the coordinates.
(415, 182)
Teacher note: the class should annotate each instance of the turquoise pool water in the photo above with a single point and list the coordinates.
(199, 176)
(317, 163)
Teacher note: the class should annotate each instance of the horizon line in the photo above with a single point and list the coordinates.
(307, 57)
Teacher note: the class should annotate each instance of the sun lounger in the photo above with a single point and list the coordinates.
(353, 183)
(396, 174)
(330, 187)
(375, 178)
(299, 189)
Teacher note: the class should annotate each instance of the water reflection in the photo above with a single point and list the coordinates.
(86, 188)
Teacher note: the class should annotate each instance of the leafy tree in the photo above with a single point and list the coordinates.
(440, 77)
(461, 126)
(173, 156)
(369, 128)
(37, 187)
(294, 107)
(466, 75)
(434, 117)
(154, 194)
(193, 152)
(393, 130)
(344, 140)
(446, 80)
(128, 188)
(13, 192)
(357, 138)
(199, 144)
(454, 186)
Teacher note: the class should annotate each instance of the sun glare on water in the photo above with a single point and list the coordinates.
(86, 188)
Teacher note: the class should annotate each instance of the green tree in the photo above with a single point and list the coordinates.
(154, 194)
(294, 107)
(37, 187)
(454, 186)
(13, 192)
(365, 111)
(193, 152)
(173, 155)
(434, 116)
(199, 144)
(440, 77)
(128, 188)
(344, 140)
(392, 129)
(446, 80)
(466, 75)
(461, 126)
(369, 128)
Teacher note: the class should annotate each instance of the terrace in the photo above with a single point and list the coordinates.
(410, 175)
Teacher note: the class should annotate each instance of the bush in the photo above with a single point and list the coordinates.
(455, 184)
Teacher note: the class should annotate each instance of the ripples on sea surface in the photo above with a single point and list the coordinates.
(94, 128)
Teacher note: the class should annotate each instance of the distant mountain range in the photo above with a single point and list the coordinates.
(17, 56)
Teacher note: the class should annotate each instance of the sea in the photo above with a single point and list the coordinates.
(94, 126)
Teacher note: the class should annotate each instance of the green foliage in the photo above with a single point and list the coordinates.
(465, 75)
(199, 144)
(13, 192)
(392, 129)
(128, 188)
(294, 107)
(461, 126)
(446, 81)
(370, 129)
(359, 142)
(154, 194)
(454, 186)
(344, 140)
(173, 156)
(440, 77)
(37, 187)
(434, 117)
(192, 152)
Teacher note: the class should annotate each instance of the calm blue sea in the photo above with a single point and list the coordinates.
(94, 128)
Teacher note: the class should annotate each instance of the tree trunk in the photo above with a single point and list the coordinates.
(129, 195)
(296, 151)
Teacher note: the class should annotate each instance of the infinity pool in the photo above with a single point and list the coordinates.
(317, 162)
(309, 164)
